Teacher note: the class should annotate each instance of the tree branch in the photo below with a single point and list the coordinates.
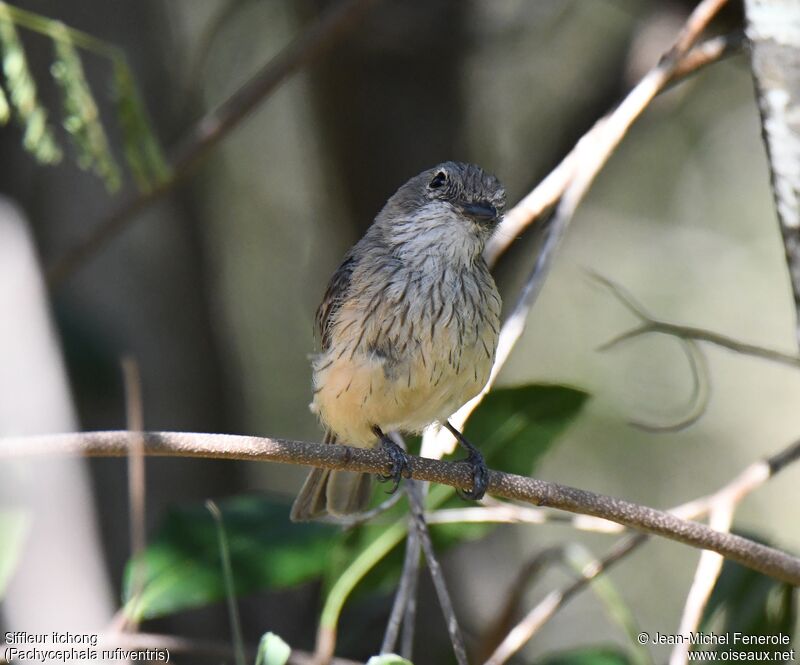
(751, 478)
(554, 600)
(418, 515)
(767, 560)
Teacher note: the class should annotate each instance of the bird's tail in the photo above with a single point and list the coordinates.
(328, 492)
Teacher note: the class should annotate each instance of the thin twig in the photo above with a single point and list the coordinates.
(548, 192)
(705, 578)
(509, 513)
(411, 566)
(410, 616)
(650, 324)
(754, 476)
(722, 505)
(230, 587)
(134, 409)
(453, 629)
(565, 187)
(357, 519)
(554, 600)
(698, 400)
(406, 589)
(505, 485)
(506, 616)
(306, 48)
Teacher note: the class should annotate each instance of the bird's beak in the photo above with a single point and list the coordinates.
(482, 211)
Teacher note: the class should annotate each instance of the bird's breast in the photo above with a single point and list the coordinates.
(408, 351)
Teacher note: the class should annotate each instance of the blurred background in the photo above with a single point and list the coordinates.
(213, 288)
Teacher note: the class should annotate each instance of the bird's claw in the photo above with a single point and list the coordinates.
(401, 466)
(480, 477)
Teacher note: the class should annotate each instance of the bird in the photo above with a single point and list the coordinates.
(408, 327)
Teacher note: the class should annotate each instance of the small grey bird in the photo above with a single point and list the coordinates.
(409, 327)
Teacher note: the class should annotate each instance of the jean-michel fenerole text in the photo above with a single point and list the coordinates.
(734, 638)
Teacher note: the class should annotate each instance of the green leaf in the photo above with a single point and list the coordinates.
(81, 115)
(272, 650)
(388, 659)
(5, 110)
(143, 152)
(747, 602)
(14, 527)
(38, 137)
(513, 427)
(589, 656)
(182, 568)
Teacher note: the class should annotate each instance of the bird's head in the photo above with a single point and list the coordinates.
(451, 203)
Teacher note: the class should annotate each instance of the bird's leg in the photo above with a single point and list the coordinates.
(480, 474)
(401, 467)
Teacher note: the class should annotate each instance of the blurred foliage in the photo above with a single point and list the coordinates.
(38, 137)
(590, 656)
(616, 608)
(747, 602)
(272, 650)
(5, 110)
(81, 115)
(13, 530)
(142, 150)
(182, 566)
(513, 427)
(388, 659)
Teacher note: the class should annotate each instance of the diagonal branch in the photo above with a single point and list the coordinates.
(750, 479)
(544, 611)
(566, 186)
(216, 125)
(767, 560)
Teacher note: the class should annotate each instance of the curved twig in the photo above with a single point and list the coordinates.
(698, 400)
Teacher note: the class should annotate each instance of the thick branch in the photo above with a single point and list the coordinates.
(759, 557)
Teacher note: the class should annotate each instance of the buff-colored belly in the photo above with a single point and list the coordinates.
(354, 394)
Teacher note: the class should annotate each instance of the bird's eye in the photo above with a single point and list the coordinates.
(438, 180)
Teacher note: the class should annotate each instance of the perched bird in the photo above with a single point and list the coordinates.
(409, 327)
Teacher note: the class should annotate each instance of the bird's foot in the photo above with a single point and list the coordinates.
(480, 472)
(480, 477)
(401, 466)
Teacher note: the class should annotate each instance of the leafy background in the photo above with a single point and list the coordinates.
(213, 290)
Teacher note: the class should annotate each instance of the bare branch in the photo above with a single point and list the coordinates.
(407, 588)
(753, 477)
(565, 188)
(506, 616)
(137, 496)
(453, 629)
(603, 138)
(653, 325)
(554, 600)
(705, 578)
(759, 557)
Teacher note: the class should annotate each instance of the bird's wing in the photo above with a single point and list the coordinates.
(333, 298)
